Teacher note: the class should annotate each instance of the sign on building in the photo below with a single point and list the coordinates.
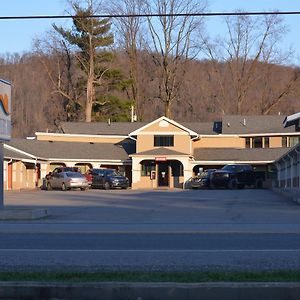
(5, 110)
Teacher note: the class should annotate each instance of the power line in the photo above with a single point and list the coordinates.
(208, 14)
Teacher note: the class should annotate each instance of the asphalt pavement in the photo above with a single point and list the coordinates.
(153, 231)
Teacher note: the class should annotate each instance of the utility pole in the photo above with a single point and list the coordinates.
(133, 115)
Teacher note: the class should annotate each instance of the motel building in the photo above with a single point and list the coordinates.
(162, 154)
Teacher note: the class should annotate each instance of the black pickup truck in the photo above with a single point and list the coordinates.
(237, 176)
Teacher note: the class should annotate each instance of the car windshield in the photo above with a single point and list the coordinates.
(97, 171)
(230, 168)
(74, 175)
(113, 173)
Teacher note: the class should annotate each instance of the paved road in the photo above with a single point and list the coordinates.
(161, 230)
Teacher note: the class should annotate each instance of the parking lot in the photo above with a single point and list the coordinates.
(174, 230)
(169, 206)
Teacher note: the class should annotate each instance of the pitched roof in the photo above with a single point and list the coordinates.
(231, 124)
(160, 151)
(74, 150)
(101, 128)
(124, 128)
(201, 127)
(12, 154)
(165, 120)
(238, 124)
(238, 154)
(292, 120)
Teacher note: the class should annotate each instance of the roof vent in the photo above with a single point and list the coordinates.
(108, 122)
(228, 124)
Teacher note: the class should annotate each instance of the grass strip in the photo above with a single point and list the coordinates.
(183, 277)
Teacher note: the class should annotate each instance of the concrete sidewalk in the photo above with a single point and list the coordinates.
(149, 291)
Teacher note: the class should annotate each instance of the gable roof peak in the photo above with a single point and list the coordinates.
(161, 119)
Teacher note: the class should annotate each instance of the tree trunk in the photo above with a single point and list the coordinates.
(168, 109)
(89, 100)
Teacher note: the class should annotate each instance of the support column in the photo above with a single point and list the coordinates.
(286, 174)
(136, 170)
(298, 168)
(187, 170)
(278, 175)
(292, 171)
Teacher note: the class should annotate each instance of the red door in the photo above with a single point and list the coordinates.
(9, 176)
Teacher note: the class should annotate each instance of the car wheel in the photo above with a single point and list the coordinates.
(106, 185)
(49, 186)
(63, 187)
(83, 189)
(124, 188)
(232, 184)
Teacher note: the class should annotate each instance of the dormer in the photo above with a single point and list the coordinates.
(166, 133)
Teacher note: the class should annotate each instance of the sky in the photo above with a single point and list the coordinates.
(17, 35)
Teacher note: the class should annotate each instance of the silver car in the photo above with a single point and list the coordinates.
(66, 181)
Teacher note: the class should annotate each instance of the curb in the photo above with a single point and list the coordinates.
(22, 214)
(149, 291)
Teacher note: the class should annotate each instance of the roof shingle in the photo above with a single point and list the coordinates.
(74, 150)
(238, 154)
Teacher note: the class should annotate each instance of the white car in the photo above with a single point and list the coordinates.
(66, 181)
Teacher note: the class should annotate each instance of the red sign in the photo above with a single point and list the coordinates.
(160, 158)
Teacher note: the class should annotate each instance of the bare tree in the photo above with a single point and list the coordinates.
(60, 65)
(129, 37)
(242, 59)
(172, 43)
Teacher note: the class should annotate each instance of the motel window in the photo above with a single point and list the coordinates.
(257, 142)
(147, 167)
(284, 141)
(163, 140)
(293, 141)
(247, 141)
(266, 142)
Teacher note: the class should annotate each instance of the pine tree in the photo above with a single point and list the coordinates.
(91, 37)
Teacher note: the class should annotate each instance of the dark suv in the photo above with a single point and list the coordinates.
(108, 179)
(234, 176)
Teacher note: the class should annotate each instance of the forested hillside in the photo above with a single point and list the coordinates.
(98, 70)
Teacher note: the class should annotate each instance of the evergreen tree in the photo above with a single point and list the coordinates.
(91, 37)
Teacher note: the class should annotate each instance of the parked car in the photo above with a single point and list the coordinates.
(91, 173)
(108, 179)
(66, 181)
(62, 169)
(202, 180)
(234, 176)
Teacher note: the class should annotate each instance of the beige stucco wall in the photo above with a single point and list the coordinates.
(162, 126)
(63, 138)
(182, 143)
(22, 177)
(145, 183)
(219, 142)
(275, 141)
